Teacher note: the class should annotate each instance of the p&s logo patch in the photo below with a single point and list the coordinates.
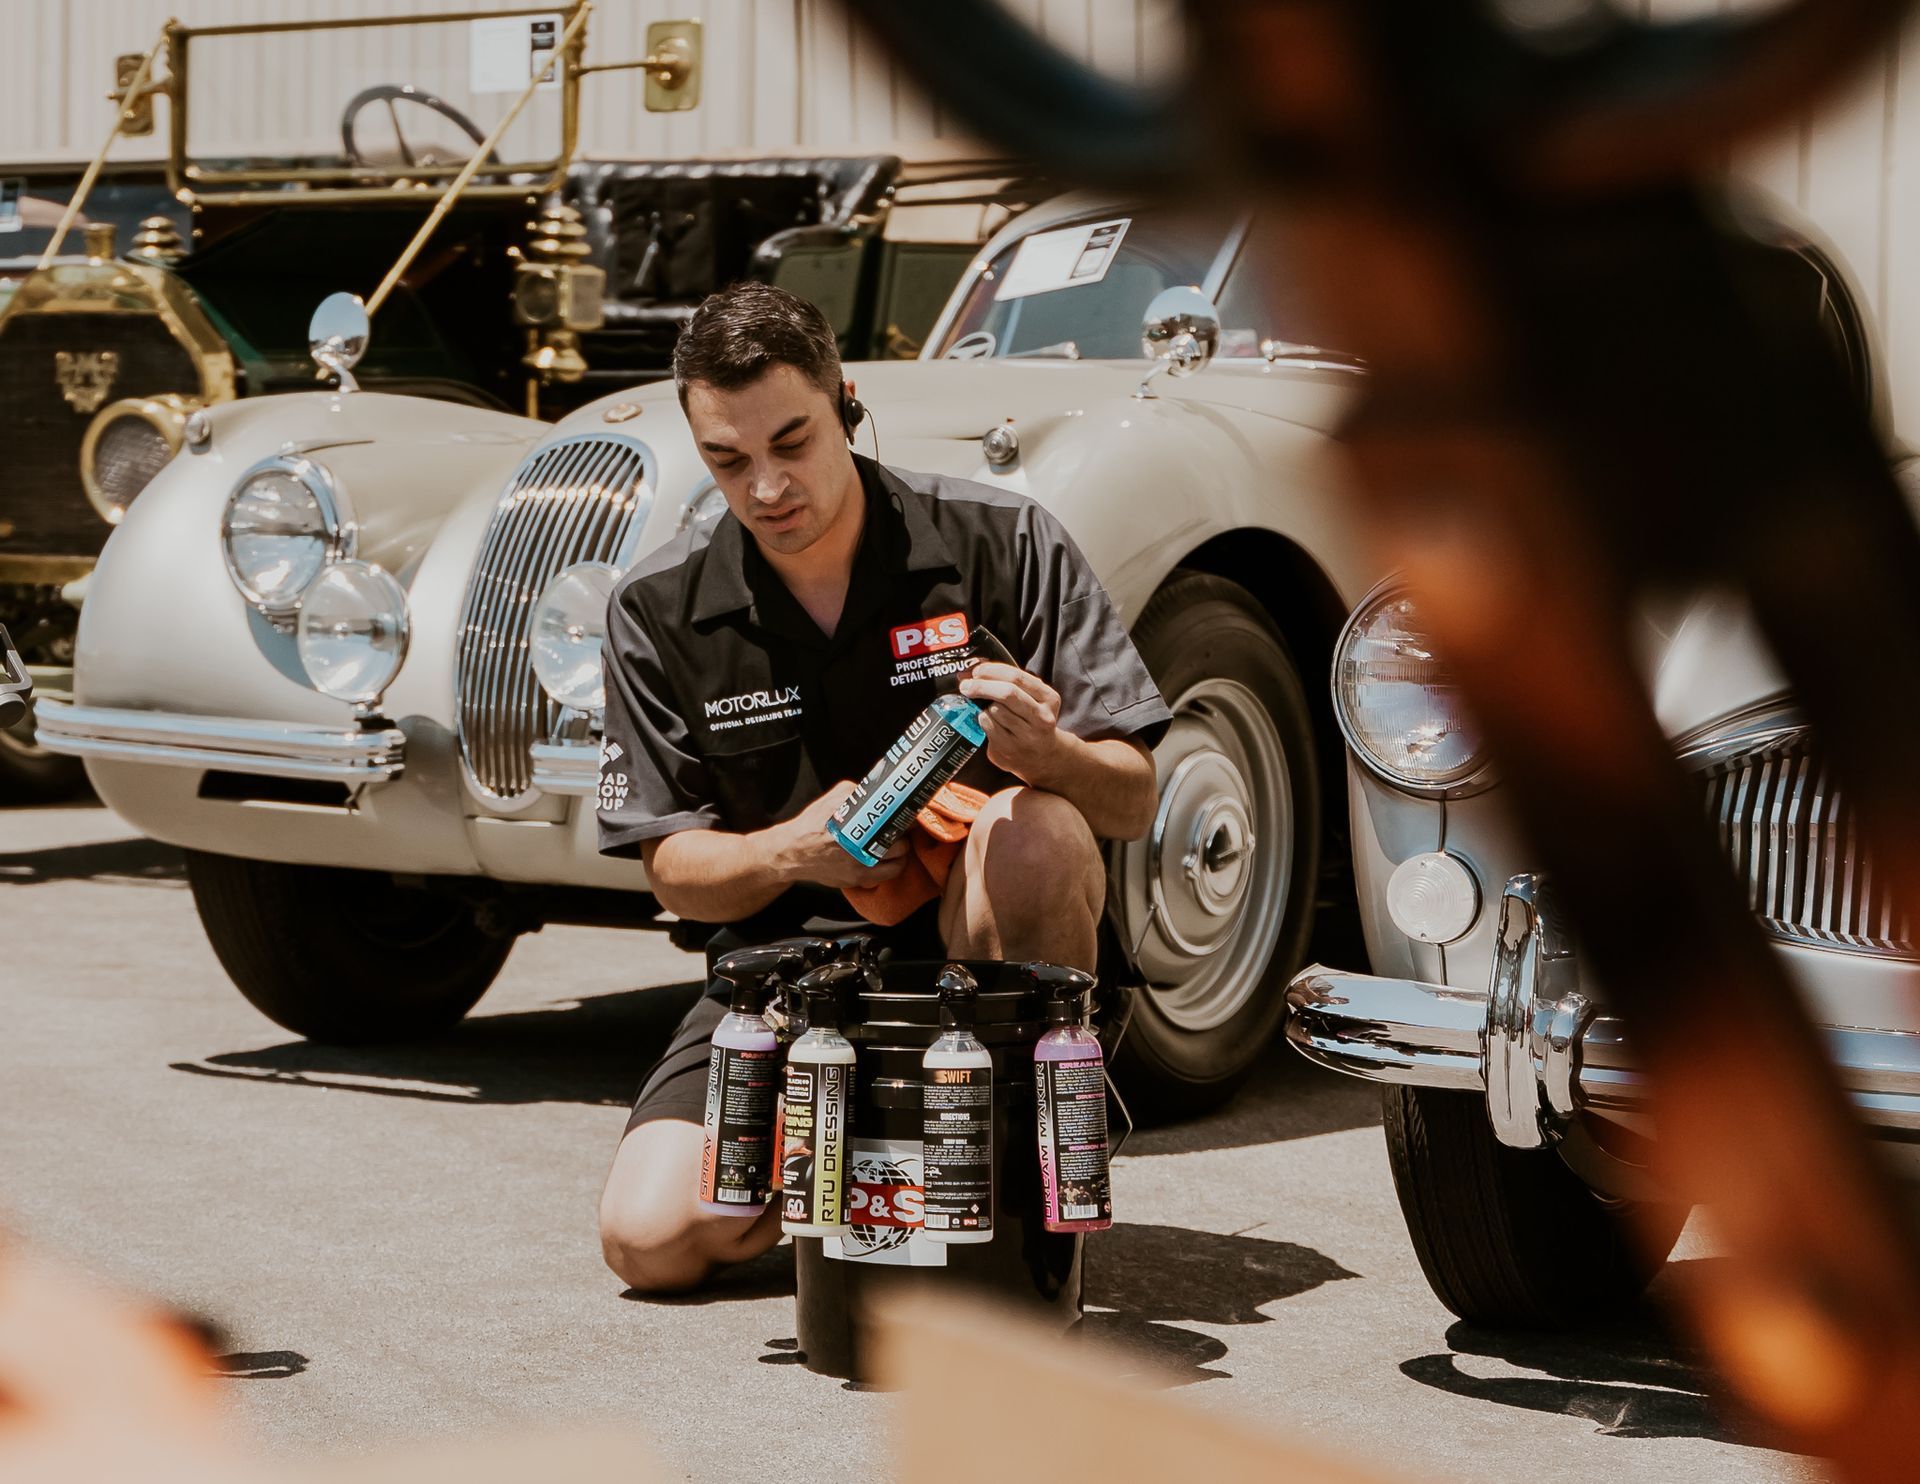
(929, 636)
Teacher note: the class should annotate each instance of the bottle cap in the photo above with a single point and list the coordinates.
(750, 996)
(1067, 990)
(823, 992)
(957, 990)
(863, 950)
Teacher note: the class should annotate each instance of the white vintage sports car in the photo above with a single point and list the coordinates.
(344, 647)
(1517, 1122)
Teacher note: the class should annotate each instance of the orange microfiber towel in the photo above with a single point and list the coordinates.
(938, 832)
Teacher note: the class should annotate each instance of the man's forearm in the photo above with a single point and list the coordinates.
(1111, 783)
(714, 876)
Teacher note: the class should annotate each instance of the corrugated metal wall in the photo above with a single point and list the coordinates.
(780, 74)
(789, 73)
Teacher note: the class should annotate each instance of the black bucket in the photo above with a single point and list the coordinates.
(1025, 1265)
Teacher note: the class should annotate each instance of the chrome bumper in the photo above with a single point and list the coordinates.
(1532, 1044)
(343, 754)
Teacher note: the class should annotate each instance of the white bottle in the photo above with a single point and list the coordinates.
(815, 1167)
(956, 1142)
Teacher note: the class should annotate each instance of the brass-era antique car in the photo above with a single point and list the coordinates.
(551, 280)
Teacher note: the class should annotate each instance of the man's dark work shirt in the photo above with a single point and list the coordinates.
(728, 708)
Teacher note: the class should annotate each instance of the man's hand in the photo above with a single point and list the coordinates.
(1022, 720)
(802, 850)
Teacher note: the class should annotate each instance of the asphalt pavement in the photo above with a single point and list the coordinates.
(399, 1242)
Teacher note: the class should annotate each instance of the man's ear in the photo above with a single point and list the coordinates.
(851, 411)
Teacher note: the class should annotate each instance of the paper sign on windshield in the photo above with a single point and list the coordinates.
(503, 52)
(1064, 258)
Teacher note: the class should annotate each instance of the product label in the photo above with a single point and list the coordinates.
(884, 1205)
(813, 1163)
(957, 1148)
(736, 1159)
(1073, 1140)
(915, 767)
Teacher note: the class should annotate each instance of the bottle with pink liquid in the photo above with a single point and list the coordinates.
(1070, 1089)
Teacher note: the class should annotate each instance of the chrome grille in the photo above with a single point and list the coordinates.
(1790, 833)
(577, 500)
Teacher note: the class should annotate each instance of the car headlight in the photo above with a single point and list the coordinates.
(353, 631)
(703, 509)
(569, 626)
(126, 444)
(1397, 700)
(284, 522)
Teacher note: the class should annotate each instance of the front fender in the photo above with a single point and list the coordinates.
(164, 629)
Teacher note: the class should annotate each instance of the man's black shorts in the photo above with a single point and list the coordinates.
(677, 1085)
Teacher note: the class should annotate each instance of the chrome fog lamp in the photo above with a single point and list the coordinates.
(126, 444)
(703, 509)
(353, 632)
(569, 626)
(284, 522)
(1397, 700)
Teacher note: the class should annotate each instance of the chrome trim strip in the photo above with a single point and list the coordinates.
(343, 754)
(1757, 728)
(1568, 1058)
(569, 769)
(585, 497)
(1791, 837)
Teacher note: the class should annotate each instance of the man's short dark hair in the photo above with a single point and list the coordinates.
(739, 334)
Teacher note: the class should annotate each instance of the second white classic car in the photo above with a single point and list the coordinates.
(343, 648)
(1517, 1119)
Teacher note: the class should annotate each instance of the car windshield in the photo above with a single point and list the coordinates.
(1079, 291)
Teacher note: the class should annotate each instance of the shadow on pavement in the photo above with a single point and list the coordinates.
(1631, 1378)
(260, 1365)
(141, 862)
(578, 1051)
(770, 1275)
(1287, 1097)
(596, 1050)
(1142, 1279)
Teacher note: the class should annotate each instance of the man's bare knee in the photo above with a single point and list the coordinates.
(1030, 883)
(1033, 850)
(653, 1235)
(652, 1256)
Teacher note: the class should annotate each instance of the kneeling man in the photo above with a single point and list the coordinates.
(754, 673)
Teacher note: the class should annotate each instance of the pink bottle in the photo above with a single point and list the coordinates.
(1070, 1089)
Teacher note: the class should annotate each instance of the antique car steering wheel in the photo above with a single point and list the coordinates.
(390, 94)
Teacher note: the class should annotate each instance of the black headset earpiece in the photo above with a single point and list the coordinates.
(852, 412)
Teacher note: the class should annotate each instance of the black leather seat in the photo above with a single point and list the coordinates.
(670, 232)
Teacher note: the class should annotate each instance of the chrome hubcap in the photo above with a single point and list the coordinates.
(1200, 841)
(1204, 894)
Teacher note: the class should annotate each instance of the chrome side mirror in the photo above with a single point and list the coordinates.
(337, 336)
(1181, 333)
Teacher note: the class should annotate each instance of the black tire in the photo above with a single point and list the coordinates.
(29, 774)
(1200, 630)
(343, 956)
(1512, 1238)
